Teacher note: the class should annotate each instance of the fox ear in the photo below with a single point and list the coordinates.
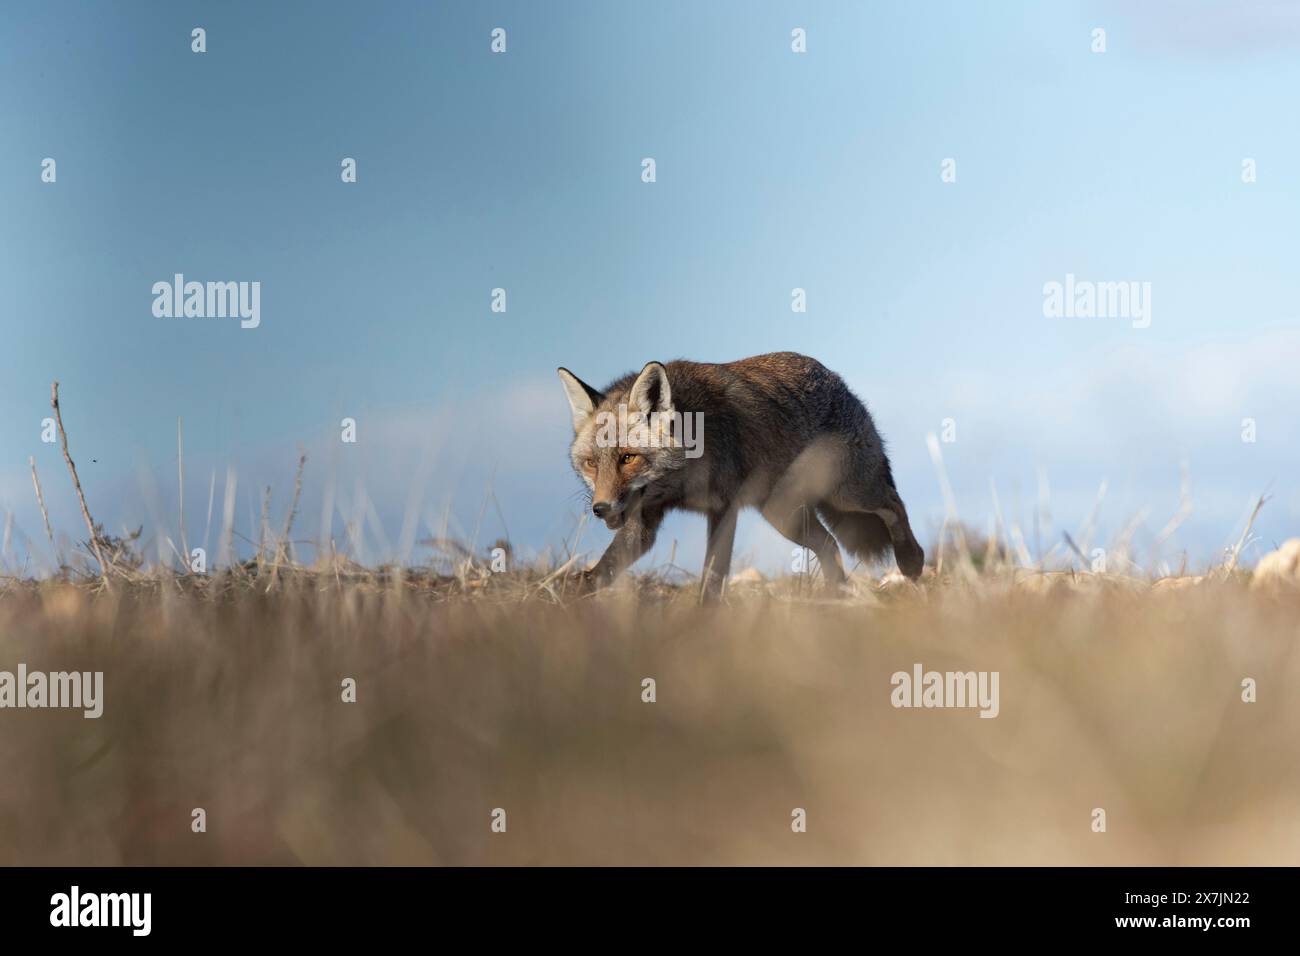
(582, 397)
(651, 391)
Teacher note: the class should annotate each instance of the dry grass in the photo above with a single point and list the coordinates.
(478, 691)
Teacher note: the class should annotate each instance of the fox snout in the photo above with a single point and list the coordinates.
(612, 512)
(607, 503)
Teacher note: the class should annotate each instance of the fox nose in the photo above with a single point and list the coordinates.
(600, 509)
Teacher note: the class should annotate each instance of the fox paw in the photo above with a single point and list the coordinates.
(589, 581)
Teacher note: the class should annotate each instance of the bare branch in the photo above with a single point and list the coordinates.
(76, 483)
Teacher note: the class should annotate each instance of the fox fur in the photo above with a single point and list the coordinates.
(779, 432)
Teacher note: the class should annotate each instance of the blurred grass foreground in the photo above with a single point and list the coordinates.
(502, 719)
(487, 711)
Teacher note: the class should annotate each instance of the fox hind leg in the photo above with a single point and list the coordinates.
(802, 526)
(790, 507)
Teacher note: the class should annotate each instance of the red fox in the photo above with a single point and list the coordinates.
(779, 432)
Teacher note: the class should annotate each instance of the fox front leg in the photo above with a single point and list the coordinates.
(717, 555)
(635, 538)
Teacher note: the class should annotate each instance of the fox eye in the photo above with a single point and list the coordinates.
(628, 459)
(589, 464)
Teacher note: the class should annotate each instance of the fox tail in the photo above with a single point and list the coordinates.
(862, 534)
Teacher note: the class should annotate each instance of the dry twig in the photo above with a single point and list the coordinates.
(76, 483)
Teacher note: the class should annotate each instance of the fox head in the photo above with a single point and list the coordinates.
(626, 443)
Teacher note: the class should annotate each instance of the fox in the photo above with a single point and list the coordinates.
(779, 432)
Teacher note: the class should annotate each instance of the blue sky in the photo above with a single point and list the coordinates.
(775, 170)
